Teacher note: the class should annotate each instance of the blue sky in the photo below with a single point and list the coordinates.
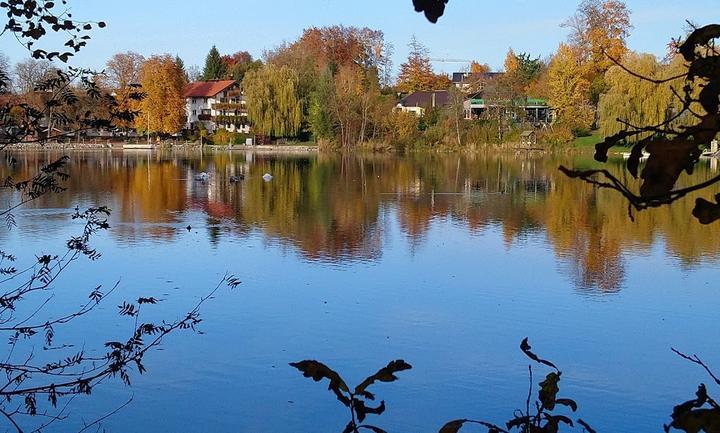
(470, 29)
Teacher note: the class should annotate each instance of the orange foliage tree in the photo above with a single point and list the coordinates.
(417, 73)
(162, 110)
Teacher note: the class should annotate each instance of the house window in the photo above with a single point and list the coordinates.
(205, 100)
(194, 112)
(194, 100)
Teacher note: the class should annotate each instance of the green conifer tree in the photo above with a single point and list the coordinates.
(214, 67)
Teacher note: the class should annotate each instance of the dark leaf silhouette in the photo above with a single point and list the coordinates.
(356, 401)
(671, 149)
(453, 426)
(456, 425)
(525, 347)
(372, 428)
(319, 371)
(386, 374)
(537, 418)
(548, 390)
(707, 212)
(567, 402)
(433, 9)
(586, 426)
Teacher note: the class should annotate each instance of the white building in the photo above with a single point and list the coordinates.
(217, 104)
(419, 102)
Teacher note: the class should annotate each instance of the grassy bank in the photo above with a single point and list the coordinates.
(590, 141)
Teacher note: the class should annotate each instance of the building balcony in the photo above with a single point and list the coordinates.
(204, 117)
(227, 106)
(235, 120)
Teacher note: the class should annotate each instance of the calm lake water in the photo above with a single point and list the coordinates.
(447, 262)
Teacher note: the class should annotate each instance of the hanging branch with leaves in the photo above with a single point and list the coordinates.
(671, 146)
(538, 418)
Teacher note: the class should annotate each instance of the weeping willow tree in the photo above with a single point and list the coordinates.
(635, 101)
(273, 101)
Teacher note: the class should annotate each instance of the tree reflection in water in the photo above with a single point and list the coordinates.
(334, 208)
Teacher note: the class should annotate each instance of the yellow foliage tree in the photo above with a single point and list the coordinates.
(162, 110)
(478, 68)
(512, 64)
(599, 30)
(568, 90)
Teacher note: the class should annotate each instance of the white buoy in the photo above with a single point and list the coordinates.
(267, 177)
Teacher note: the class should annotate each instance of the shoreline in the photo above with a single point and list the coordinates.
(292, 149)
(162, 147)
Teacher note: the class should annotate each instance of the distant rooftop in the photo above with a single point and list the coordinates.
(207, 89)
(425, 99)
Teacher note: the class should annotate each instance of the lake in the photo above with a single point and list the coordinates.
(445, 261)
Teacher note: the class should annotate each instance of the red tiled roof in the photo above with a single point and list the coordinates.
(207, 89)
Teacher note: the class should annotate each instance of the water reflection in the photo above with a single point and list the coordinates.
(335, 208)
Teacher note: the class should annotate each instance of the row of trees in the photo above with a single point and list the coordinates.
(333, 83)
(340, 76)
(336, 85)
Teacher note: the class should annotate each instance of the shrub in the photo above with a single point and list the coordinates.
(558, 134)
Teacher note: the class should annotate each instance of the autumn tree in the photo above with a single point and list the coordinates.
(341, 71)
(273, 102)
(511, 64)
(215, 68)
(319, 49)
(346, 104)
(162, 110)
(522, 69)
(509, 91)
(478, 68)
(598, 31)
(568, 90)
(417, 72)
(238, 64)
